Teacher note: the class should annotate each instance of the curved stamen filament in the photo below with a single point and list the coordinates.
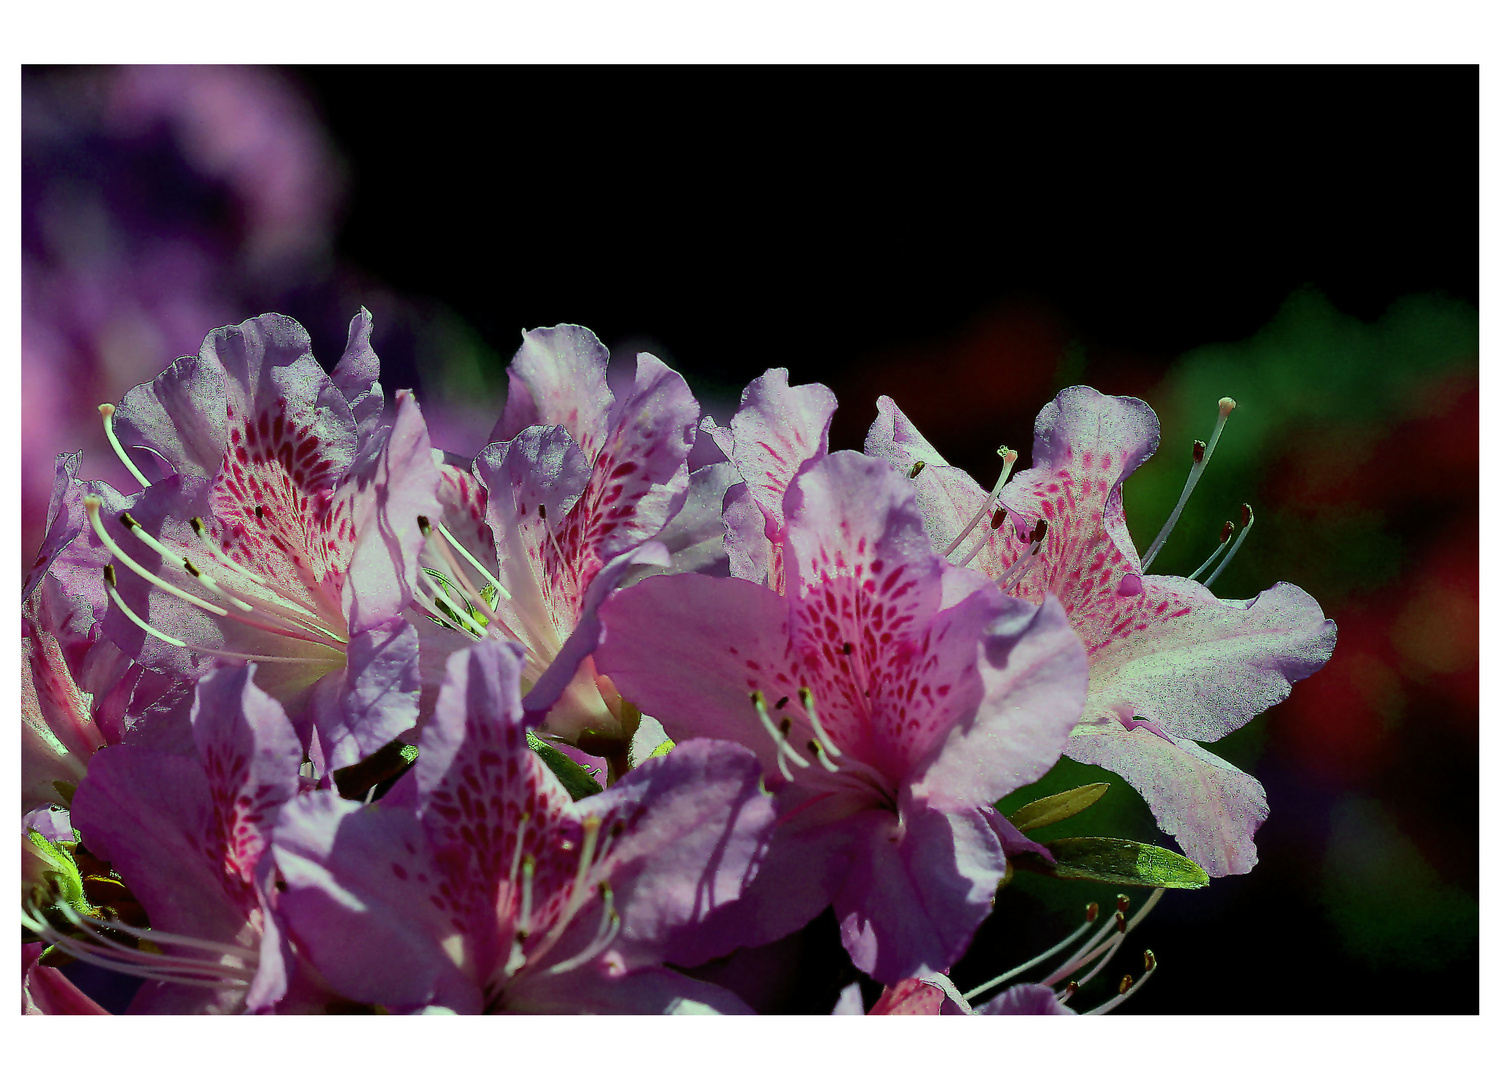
(113, 955)
(287, 623)
(221, 557)
(91, 505)
(778, 736)
(1201, 462)
(1008, 459)
(129, 613)
(1091, 914)
(609, 927)
(1018, 569)
(108, 413)
(805, 696)
(1247, 519)
(441, 606)
(500, 590)
(1225, 535)
(1128, 986)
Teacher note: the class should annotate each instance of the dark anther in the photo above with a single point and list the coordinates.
(1198, 452)
(260, 513)
(917, 467)
(1120, 921)
(1092, 912)
(197, 524)
(109, 575)
(1148, 960)
(1226, 531)
(542, 511)
(128, 521)
(814, 748)
(1040, 531)
(782, 703)
(423, 525)
(1245, 515)
(997, 518)
(1126, 981)
(1071, 988)
(786, 726)
(846, 648)
(1122, 902)
(187, 564)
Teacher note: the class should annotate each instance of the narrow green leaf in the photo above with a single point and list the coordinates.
(573, 775)
(1051, 809)
(1117, 862)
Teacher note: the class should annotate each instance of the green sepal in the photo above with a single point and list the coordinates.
(1116, 862)
(574, 777)
(59, 872)
(1051, 809)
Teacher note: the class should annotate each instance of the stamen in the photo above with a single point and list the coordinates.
(221, 557)
(91, 505)
(112, 955)
(557, 548)
(917, 467)
(823, 759)
(784, 751)
(125, 609)
(516, 854)
(500, 590)
(1247, 519)
(1128, 987)
(1008, 459)
(473, 595)
(528, 873)
(1201, 462)
(441, 606)
(805, 696)
(284, 622)
(108, 412)
(1225, 535)
(1018, 569)
(1090, 914)
(609, 927)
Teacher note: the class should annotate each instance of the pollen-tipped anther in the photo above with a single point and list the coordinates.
(1148, 960)
(917, 467)
(1247, 518)
(1091, 911)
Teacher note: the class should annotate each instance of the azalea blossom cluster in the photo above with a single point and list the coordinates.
(324, 718)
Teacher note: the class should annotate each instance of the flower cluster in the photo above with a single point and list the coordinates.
(324, 719)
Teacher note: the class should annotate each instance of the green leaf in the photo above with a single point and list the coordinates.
(1055, 808)
(573, 775)
(1117, 862)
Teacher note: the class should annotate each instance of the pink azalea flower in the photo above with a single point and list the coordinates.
(891, 698)
(282, 528)
(1170, 664)
(186, 834)
(565, 501)
(478, 885)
